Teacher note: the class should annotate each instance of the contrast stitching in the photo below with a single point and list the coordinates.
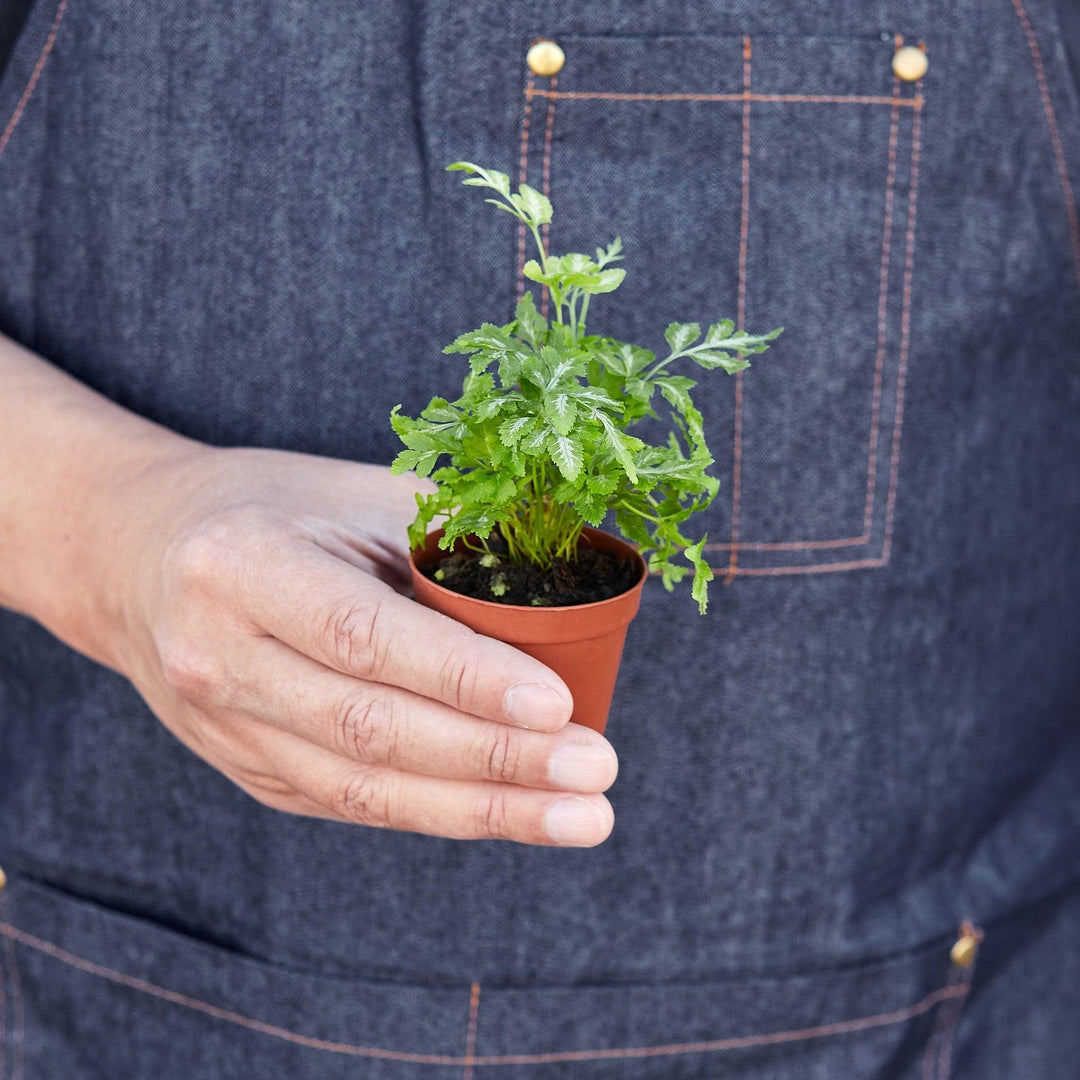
(470, 1038)
(905, 331)
(955, 1009)
(812, 568)
(930, 1053)
(896, 101)
(546, 228)
(842, 1027)
(883, 307)
(1055, 134)
(746, 1042)
(937, 1058)
(871, 487)
(227, 1015)
(787, 545)
(18, 1030)
(523, 166)
(901, 384)
(807, 99)
(20, 108)
(744, 232)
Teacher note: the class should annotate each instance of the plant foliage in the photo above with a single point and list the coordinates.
(540, 440)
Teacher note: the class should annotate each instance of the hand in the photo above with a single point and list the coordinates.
(259, 607)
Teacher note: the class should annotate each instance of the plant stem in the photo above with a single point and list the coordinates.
(540, 245)
(658, 367)
(640, 513)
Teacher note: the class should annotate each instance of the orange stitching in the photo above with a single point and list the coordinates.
(806, 99)
(746, 97)
(546, 229)
(470, 1038)
(736, 485)
(905, 332)
(88, 966)
(523, 165)
(1055, 134)
(20, 108)
(937, 1058)
(944, 1062)
(930, 1052)
(745, 1042)
(744, 232)
(815, 568)
(883, 296)
(786, 545)
(896, 100)
(18, 1031)
(796, 545)
(967, 974)
(955, 1009)
(713, 1045)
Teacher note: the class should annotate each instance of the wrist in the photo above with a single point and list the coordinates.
(119, 521)
(69, 457)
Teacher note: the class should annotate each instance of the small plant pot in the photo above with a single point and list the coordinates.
(583, 643)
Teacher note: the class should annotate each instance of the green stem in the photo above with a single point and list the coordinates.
(540, 245)
(640, 513)
(658, 367)
(543, 266)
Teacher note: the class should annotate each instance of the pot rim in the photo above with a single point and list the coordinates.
(592, 605)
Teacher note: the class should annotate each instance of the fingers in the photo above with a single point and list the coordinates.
(276, 796)
(349, 621)
(343, 790)
(383, 725)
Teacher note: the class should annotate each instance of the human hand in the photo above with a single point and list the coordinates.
(257, 602)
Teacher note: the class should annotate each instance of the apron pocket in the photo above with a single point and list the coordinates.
(90, 992)
(772, 179)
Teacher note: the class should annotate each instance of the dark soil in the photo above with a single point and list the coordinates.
(596, 575)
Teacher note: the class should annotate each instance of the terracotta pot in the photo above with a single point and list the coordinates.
(581, 642)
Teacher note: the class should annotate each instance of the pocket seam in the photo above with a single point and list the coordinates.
(35, 76)
(951, 991)
(951, 995)
(1055, 133)
(896, 101)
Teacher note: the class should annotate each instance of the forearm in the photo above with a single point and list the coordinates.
(65, 452)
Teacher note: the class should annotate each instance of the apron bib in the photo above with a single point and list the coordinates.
(234, 219)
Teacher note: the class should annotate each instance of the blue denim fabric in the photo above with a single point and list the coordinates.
(234, 219)
(12, 16)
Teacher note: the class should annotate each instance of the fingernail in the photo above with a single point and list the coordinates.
(582, 767)
(575, 821)
(532, 705)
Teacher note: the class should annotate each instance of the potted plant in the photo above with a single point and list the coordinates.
(540, 450)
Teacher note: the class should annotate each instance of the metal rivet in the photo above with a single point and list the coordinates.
(545, 58)
(909, 63)
(966, 946)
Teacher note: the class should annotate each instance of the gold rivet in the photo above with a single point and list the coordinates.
(909, 63)
(965, 948)
(545, 58)
(3, 878)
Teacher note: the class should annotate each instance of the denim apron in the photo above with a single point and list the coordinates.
(233, 218)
